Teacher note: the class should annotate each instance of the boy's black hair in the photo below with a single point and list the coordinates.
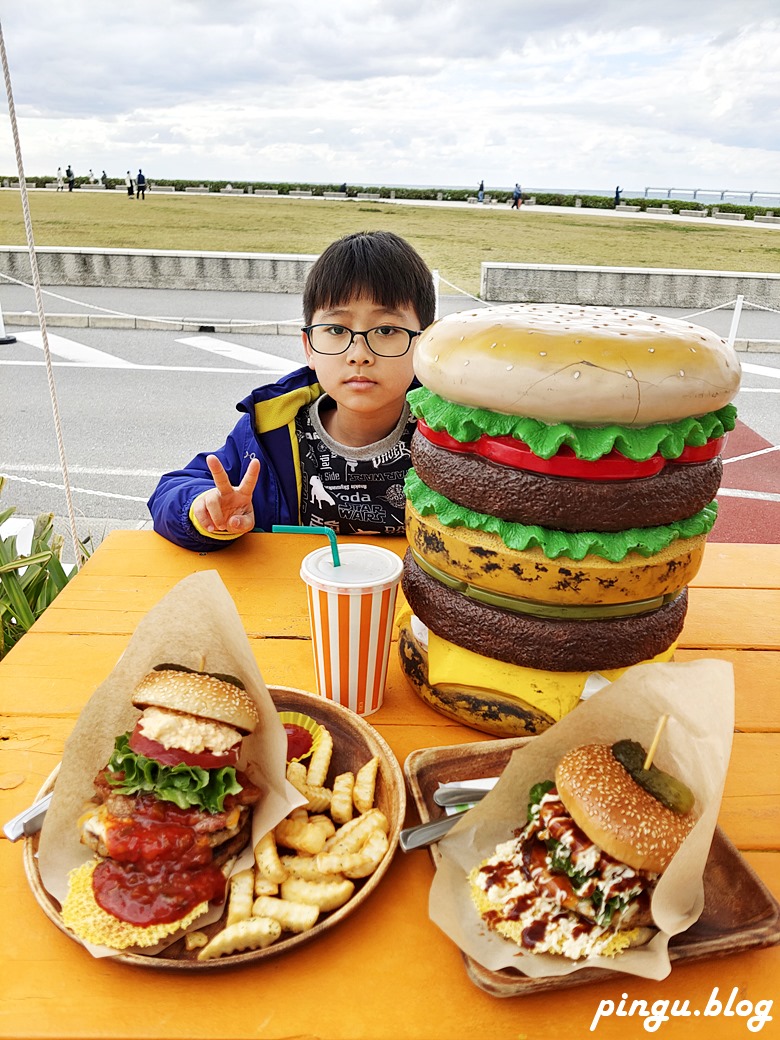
(378, 265)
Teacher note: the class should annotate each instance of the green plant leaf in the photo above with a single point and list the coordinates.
(24, 561)
(44, 524)
(17, 600)
(58, 574)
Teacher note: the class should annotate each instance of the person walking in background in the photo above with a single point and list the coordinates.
(71, 177)
(129, 186)
(481, 192)
(617, 196)
(60, 179)
(140, 185)
(517, 197)
(92, 177)
(104, 179)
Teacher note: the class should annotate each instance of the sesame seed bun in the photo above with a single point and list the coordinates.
(585, 365)
(615, 812)
(198, 694)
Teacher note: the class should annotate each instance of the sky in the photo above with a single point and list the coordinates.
(572, 94)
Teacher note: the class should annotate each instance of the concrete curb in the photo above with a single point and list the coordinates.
(26, 319)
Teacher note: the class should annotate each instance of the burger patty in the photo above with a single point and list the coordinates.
(221, 841)
(541, 643)
(566, 503)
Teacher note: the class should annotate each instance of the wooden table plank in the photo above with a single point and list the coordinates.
(757, 705)
(725, 619)
(739, 566)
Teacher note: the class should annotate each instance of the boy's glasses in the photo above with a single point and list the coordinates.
(384, 340)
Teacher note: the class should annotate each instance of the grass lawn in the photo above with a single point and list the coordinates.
(455, 241)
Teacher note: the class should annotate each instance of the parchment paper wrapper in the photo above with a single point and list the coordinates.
(695, 746)
(196, 626)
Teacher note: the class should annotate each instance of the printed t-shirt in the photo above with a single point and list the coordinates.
(353, 490)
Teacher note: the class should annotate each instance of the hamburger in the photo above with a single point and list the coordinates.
(171, 807)
(578, 880)
(565, 466)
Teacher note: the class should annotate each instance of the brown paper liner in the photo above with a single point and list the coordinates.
(195, 626)
(696, 745)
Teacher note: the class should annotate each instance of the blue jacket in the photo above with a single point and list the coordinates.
(265, 431)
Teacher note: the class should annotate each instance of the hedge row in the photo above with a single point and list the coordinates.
(426, 194)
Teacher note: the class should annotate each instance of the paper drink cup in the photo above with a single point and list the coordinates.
(351, 608)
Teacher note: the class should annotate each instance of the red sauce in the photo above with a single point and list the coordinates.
(160, 867)
(299, 741)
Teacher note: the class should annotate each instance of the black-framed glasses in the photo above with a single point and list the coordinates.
(384, 340)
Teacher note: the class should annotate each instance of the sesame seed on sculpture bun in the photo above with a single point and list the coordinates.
(585, 365)
(197, 694)
(616, 812)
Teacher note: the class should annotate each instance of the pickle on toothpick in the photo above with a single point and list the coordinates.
(670, 791)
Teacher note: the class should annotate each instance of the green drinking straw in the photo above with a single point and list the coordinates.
(292, 529)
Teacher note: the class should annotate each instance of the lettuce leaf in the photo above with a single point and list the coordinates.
(638, 443)
(185, 786)
(574, 545)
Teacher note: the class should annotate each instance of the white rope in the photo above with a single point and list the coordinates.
(135, 317)
(717, 307)
(78, 553)
(463, 291)
(78, 490)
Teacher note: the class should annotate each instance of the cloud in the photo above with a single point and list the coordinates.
(564, 94)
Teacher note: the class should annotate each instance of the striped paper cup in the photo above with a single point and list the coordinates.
(351, 608)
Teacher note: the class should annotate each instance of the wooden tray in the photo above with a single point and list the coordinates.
(740, 913)
(354, 743)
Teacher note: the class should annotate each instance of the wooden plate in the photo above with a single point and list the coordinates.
(354, 743)
(740, 913)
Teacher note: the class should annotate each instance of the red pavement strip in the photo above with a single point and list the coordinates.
(748, 519)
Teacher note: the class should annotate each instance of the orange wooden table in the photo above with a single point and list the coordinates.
(386, 971)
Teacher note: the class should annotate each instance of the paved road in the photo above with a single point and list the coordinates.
(136, 403)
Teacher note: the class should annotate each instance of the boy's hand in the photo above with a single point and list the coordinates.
(227, 509)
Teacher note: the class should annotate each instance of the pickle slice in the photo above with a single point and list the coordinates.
(670, 791)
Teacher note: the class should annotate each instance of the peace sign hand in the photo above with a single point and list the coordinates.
(225, 509)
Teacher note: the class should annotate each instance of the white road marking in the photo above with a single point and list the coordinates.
(74, 351)
(752, 454)
(762, 496)
(761, 370)
(91, 471)
(76, 490)
(147, 368)
(237, 352)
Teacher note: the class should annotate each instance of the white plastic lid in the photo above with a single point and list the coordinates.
(362, 566)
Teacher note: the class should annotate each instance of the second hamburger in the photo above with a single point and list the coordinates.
(578, 880)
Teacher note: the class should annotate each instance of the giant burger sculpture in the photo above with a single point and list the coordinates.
(566, 462)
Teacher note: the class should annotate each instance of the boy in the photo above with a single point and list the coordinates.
(328, 445)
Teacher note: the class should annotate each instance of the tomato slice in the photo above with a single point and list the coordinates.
(508, 451)
(176, 756)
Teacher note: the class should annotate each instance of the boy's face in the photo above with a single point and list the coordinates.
(359, 381)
